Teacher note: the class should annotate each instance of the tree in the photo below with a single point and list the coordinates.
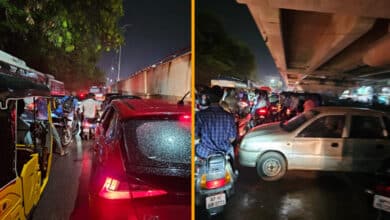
(217, 54)
(60, 37)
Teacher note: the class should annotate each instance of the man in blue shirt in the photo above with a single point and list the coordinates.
(216, 130)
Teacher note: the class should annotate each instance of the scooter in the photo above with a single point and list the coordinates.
(214, 182)
(64, 131)
(88, 128)
(379, 194)
(261, 116)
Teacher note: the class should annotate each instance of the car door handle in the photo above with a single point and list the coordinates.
(380, 146)
(334, 145)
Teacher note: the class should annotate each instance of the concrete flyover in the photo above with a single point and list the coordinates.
(169, 78)
(318, 45)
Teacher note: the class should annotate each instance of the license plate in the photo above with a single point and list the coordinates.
(382, 203)
(215, 200)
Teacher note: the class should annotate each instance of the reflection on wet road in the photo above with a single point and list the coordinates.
(66, 194)
(300, 195)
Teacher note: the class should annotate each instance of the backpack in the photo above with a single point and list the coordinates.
(68, 104)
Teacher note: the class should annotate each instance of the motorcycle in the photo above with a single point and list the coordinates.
(88, 127)
(214, 182)
(64, 131)
(261, 116)
(274, 112)
(380, 194)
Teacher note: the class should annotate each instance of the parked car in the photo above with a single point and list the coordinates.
(324, 138)
(141, 161)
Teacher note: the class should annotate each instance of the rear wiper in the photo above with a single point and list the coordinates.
(181, 101)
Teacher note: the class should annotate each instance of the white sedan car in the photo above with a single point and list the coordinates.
(324, 138)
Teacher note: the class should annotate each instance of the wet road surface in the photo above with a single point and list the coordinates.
(66, 195)
(299, 195)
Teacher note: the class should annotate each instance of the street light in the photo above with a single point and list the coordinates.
(120, 51)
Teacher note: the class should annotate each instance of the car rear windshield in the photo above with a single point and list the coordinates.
(94, 90)
(299, 120)
(161, 143)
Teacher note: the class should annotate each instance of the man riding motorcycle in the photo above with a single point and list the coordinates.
(89, 109)
(216, 130)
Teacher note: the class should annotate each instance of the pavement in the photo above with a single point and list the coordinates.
(303, 195)
(66, 195)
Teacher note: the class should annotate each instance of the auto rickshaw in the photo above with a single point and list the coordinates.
(25, 144)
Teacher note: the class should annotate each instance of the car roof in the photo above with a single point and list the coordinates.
(132, 108)
(345, 109)
(112, 97)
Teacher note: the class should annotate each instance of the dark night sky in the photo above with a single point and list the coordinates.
(157, 29)
(239, 23)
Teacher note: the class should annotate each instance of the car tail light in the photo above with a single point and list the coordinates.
(215, 183)
(85, 124)
(185, 118)
(144, 191)
(261, 111)
(114, 189)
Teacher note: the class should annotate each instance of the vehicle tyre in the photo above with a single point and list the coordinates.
(271, 166)
(66, 138)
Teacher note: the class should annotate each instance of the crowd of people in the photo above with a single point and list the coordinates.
(218, 111)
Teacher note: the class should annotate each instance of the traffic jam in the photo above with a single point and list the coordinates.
(132, 175)
(293, 132)
(278, 110)
(309, 137)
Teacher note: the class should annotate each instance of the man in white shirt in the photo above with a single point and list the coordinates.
(90, 107)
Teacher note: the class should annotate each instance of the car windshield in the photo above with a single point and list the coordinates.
(298, 120)
(159, 143)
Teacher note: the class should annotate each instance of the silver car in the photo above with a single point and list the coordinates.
(324, 138)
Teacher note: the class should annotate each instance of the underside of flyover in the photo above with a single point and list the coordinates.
(322, 45)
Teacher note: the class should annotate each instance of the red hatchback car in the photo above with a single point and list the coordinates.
(141, 166)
